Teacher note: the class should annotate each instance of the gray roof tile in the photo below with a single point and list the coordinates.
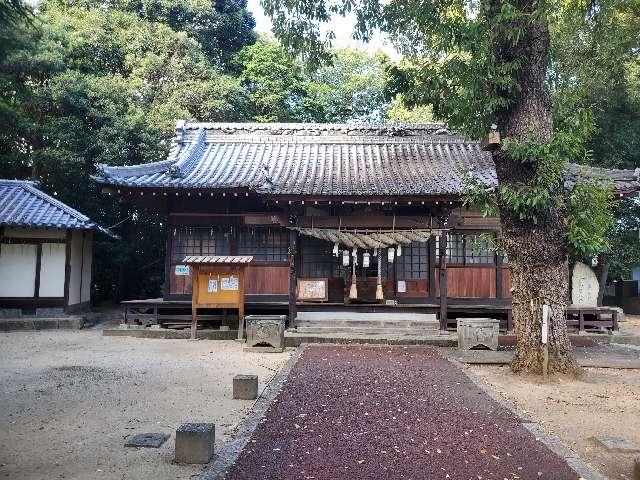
(315, 160)
(23, 205)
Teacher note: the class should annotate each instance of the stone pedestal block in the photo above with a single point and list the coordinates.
(265, 332)
(478, 333)
(245, 387)
(194, 442)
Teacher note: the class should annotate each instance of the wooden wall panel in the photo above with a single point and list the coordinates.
(469, 282)
(264, 279)
(179, 284)
(506, 282)
(416, 288)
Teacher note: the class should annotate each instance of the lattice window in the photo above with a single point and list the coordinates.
(318, 260)
(478, 250)
(264, 243)
(467, 250)
(414, 261)
(199, 241)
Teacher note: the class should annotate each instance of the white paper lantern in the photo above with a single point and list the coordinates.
(391, 253)
(345, 258)
(365, 259)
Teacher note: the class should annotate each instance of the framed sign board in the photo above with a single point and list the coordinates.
(313, 289)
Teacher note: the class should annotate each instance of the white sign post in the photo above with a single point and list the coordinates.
(544, 338)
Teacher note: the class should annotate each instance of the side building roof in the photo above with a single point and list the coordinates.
(23, 205)
(322, 160)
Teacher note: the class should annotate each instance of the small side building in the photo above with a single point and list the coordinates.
(46, 252)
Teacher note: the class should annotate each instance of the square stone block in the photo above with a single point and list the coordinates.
(194, 442)
(478, 333)
(265, 331)
(245, 387)
(149, 440)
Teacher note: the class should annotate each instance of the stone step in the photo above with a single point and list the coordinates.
(342, 315)
(397, 323)
(367, 331)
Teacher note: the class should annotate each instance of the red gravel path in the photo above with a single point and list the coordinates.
(389, 413)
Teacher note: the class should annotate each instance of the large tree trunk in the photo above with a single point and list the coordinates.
(537, 251)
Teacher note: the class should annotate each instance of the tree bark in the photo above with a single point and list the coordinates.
(537, 251)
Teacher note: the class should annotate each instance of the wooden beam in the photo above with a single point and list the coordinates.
(167, 263)
(443, 281)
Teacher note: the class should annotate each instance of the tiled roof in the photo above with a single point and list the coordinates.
(313, 160)
(23, 205)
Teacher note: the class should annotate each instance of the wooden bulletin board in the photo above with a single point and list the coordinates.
(313, 289)
(220, 287)
(218, 282)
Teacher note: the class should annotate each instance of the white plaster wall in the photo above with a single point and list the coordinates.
(35, 232)
(17, 270)
(52, 270)
(86, 269)
(76, 262)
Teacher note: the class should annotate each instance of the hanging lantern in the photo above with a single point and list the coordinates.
(345, 258)
(335, 250)
(391, 254)
(365, 259)
(399, 251)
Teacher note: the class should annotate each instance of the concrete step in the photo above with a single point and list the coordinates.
(363, 324)
(365, 331)
(341, 315)
(437, 338)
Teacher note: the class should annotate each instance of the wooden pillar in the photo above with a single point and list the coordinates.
(443, 281)
(498, 262)
(36, 288)
(293, 276)
(67, 267)
(166, 288)
(432, 269)
(194, 300)
(240, 273)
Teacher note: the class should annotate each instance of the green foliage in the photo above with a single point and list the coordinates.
(274, 81)
(399, 112)
(221, 27)
(351, 88)
(591, 218)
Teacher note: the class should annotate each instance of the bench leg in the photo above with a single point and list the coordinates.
(581, 322)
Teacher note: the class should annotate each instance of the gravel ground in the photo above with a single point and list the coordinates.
(71, 398)
(604, 402)
(393, 413)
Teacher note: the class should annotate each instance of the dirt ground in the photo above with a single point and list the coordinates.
(604, 402)
(69, 399)
(631, 325)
